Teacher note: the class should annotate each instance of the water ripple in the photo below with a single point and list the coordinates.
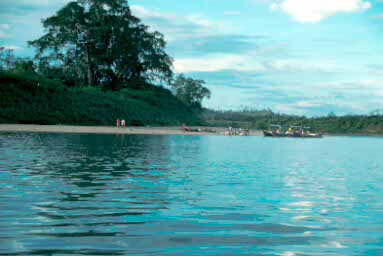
(174, 195)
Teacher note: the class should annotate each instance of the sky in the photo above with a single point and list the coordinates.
(306, 57)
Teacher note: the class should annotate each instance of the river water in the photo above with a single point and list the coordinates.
(77, 194)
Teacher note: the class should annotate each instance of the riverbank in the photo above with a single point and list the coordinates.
(216, 131)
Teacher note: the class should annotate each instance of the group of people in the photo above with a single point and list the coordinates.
(185, 128)
(244, 132)
(290, 131)
(120, 123)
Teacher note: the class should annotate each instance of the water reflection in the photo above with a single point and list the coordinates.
(68, 184)
(173, 195)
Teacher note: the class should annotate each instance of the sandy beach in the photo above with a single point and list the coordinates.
(205, 131)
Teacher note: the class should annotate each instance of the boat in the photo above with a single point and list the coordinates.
(290, 131)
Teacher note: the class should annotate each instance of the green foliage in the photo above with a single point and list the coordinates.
(28, 98)
(100, 42)
(190, 91)
(8, 62)
(7, 59)
(24, 66)
(351, 124)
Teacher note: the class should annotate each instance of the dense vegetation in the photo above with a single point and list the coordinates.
(351, 124)
(30, 99)
(97, 62)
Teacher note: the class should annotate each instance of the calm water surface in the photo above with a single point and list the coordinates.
(175, 195)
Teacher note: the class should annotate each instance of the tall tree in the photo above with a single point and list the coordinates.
(190, 91)
(100, 41)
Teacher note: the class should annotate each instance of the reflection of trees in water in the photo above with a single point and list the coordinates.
(87, 157)
(124, 174)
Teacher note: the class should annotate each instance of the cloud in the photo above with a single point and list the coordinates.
(142, 12)
(176, 27)
(198, 44)
(249, 62)
(355, 86)
(216, 63)
(232, 13)
(318, 10)
(315, 103)
(150, 15)
(320, 109)
(307, 104)
(301, 66)
(2, 34)
(274, 6)
(277, 90)
(5, 26)
(378, 17)
(193, 35)
(13, 47)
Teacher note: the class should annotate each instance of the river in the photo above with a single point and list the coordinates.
(73, 194)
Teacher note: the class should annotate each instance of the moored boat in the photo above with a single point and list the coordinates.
(290, 131)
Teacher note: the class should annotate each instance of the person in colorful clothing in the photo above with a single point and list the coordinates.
(118, 123)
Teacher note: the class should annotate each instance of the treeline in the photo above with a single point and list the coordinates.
(99, 53)
(261, 119)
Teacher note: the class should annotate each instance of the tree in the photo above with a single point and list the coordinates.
(7, 58)
(190, 91)
(331, 114)
(9, 62)
(24, 65)
(101, 42)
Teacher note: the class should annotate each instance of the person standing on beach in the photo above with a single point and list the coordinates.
(123, 123)
(118, 123)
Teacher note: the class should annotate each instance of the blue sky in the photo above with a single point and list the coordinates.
(294, 56)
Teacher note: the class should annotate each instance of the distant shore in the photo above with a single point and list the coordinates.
(166, 130)
(205, 131)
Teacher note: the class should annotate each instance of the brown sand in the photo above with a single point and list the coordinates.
(113, 130)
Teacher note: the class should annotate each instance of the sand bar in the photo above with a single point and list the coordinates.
(206, 131)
